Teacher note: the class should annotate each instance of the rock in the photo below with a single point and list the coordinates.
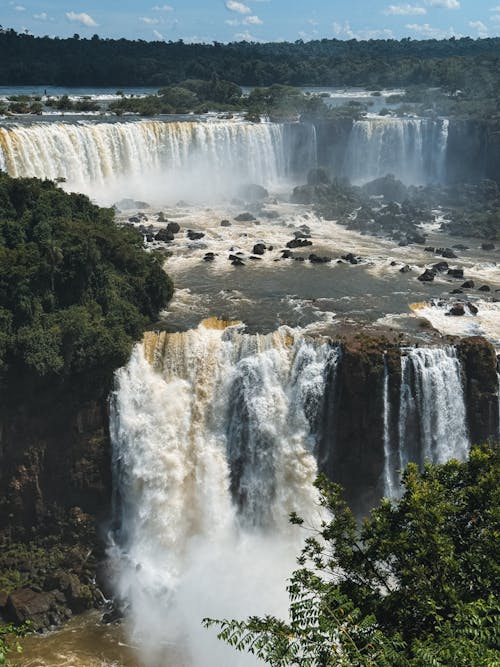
(448, 253)
(440, 267)
(350, 258)
(461, 246)
(457, 310)
(315, 259)
(485, 288)
(113, 614)
(259, 249)
(237, 262)
(26, 605)
(298, 243)
(134, 220)
(253, 192)
(127, 204)
(225, 223)
(472, 308)
(174, 227)
(245, 217)
(302, 235)
(164, 235)
(394, 263)
(286, 254)
(254, 257)
(456, 273)
(488, 246)
(405, 269)
(194, 236)
(209, 257)
(430, 249)
(415, 237)
(456, 291)
(160, 217)
(427, 276)
(468, 284)
(403, 243)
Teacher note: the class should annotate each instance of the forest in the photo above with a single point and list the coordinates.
(76, 61)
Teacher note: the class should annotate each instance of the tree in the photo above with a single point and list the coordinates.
(415, 586)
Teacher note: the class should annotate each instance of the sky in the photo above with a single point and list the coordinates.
(254, 20)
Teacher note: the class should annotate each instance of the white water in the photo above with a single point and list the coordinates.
(412, 149)
(432, 419)
(390, 470)
(150, 159)
(214, 435)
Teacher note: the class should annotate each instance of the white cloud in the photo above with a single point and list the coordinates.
(245, 37)
(83, 18)
(149, 21)
(344, 31)
(446, 4)
(495, 9)
(233, 22)
(405, 10)
(20, 8)
(479, 27)
(162, 8)
(495, 18)
(428, 31)
(41, 17)
(253, 20)
(239, 7)
(158, 35)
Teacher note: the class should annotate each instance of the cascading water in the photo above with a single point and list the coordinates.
(214, 436)
(154, 159)
(432, 412)
(412, 149)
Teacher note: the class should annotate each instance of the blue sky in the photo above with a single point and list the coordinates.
(259, 20)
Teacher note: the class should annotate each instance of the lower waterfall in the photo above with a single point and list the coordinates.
(214, 439)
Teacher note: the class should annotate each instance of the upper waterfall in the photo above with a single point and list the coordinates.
(154, 159)
(412, 149)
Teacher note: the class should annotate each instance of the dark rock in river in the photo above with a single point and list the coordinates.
(225, 223)
(298, 243)
(405, 269)
(468, 284)
(440, 267)
(457, 310)
(315, 259)
(456, 291)
(194, 236)
(472, 308)
(164, 235)
(245, 217)
(448, 253)
(174, 227)
(485, 288)
(259, 249)
(456, 273)
(488, 246)
(427, 276)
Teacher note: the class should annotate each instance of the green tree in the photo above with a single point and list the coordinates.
(416, 585)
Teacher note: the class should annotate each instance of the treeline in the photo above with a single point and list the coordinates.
(454, 63)
(75, 292)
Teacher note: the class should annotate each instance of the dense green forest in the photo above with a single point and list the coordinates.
(453, 63)
(75, 290)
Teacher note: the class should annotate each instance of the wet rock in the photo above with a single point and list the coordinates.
(316, 259)
(440, 267)
(415, 237)
(299, 258)
(134, 220)
(468, 284)
(194, 236)
(286, 254)
(160, 217)
(405, 269)
(302, 235)
(27, 605)
(456, 273)
(237, 262)
(430, 249)
(174, 227)
(394, 263)
(164, 235)
(127, 204)
(298, 243)
(457, 310)
(259, 249)
(485, 288)
(448, 253)
(350, 258)
(427, 276)
(403, 243)
(245, 217)
(472, 308)
(456, 291)
(461, 246)
(209, 257)
(253, 192)
(488, 246)
(225, 223)
(253, 257)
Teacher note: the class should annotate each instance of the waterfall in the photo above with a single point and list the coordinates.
(432, 413)
(150, 158)
(214, 436)
(391, 470)
(412, 149)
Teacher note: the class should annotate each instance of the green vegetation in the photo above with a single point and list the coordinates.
(415, 586)
(75, 291)
(9, 641)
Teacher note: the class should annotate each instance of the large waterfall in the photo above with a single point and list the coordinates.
(154, 159)
(413, 149)
(214, 440)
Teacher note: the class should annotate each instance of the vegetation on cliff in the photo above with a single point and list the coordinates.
(75, 291)
(415, 585)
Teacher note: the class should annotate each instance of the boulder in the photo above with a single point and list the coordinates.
(25, 604)
(427, 276)
(194, 236)
(488, 246)
(430, 249)
(350, 258)
(237, 262)
(456, 273)
(315, 259)
(174, 227)
(456, 291)
(440, 267)
(472, 308)
(460, 246)
(448, 253)
(298, 243)
(225, 223)
(457, 310)
(245, 217)
(405, 269)
(259, 249)
(164, 235)
(485, 288)
(468, 284)
(209, 257)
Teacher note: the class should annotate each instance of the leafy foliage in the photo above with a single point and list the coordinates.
(75, 290)
(415, 586)
(9, 641)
